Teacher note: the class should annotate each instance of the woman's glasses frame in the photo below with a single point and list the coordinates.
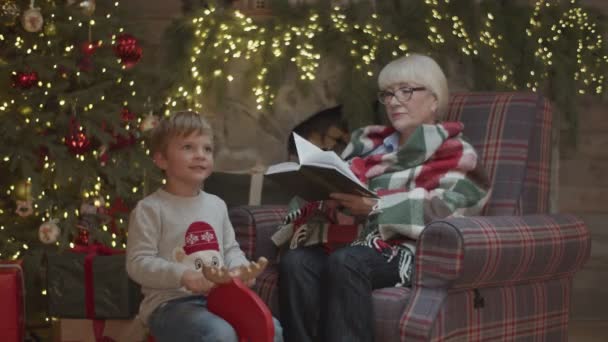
(402, 94)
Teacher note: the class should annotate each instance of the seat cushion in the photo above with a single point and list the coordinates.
(388, 304)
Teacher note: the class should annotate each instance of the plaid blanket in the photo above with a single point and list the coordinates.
(434, 175)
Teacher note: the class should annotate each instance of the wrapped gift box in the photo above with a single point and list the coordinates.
(12, 308)
(86, 330)
(91, 283)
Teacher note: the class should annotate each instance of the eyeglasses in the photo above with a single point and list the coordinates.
(402, 94)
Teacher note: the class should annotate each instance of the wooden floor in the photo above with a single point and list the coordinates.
(580, 331)
(588, 331)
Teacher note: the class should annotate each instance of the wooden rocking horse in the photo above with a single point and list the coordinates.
(236, 303)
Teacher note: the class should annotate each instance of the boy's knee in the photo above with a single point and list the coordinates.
(278, 330)
(221, 332)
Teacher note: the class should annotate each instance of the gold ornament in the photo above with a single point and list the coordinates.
(25, 110)
(50, 29)
(23, 191)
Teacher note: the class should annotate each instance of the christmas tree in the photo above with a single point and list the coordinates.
(74, 111)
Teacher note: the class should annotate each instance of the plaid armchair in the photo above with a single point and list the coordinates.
(503, 276)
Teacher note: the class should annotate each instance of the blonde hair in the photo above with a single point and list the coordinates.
(182, 123)
(420, 69)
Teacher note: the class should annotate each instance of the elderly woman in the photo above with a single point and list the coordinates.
(421, 169)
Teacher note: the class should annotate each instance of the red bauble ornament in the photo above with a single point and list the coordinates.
(121, 141)
(88, 48)
(25, 80)
(127, 115)
(83, 238)
(76, 141)
(127, 48)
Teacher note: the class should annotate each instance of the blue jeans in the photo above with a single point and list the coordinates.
(187, 319)
(328, 298)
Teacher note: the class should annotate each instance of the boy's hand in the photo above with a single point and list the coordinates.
(196, 282)
(250, 282)
(240, 273)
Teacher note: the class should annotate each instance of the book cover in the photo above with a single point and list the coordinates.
(317, 174)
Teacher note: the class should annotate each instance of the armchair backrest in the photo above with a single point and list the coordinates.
(511, 131)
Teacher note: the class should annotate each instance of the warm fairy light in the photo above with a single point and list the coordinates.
(223, 38)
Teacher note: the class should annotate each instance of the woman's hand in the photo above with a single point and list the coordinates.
(196, 282)
(357, 205)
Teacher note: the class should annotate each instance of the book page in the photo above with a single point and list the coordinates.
(282, 167)
(310, 154)
(305, 148)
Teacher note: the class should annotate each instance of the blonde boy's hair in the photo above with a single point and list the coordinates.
(420, 69)
(182, 123)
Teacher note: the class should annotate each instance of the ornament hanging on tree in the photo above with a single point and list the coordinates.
(23, 191)
(128, 139)
(127, 115)
(24, 80)
(149, 122)
(48, 232)
(50, 29)
(32, 20)
(10, 13)
(122, 141)
(87, 49)
(87, 6)
(76, 140)
(127, 48)
(97, 206)
(25, 110)
(83, 237)
(24, 208)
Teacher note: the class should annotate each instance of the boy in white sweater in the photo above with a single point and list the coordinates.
(171, 226)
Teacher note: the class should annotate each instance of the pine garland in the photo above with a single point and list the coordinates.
(554, 47)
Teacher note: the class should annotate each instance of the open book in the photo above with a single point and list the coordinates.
(318, 174)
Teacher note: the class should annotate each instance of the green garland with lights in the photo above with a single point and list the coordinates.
(554, 47)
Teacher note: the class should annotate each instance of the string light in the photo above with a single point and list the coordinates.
(36, 110)
(237, 37)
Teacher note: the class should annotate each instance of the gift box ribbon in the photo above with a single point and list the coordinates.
(91, 252)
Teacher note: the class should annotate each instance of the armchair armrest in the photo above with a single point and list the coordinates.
(475, 252)
(254, 225)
